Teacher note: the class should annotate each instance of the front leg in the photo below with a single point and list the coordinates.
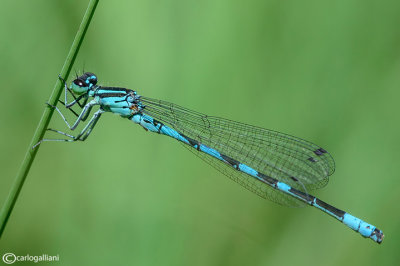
(82, 116)
(82, 136)
(75, 114)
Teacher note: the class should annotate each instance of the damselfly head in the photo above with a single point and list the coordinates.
(84, 83)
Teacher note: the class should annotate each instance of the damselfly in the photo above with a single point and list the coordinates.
(273, 165)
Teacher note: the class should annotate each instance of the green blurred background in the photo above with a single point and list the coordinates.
(326, 71)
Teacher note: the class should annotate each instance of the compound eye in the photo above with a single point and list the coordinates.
(79, 83)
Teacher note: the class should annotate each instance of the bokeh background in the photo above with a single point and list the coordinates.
(326, 71)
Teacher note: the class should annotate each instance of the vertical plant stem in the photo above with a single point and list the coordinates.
(45, 119)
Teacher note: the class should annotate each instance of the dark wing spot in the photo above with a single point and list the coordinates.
(311, 159)
(320, 151)
(294, 178)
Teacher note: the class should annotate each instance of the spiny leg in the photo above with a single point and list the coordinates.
(89, 127)
(62, 133)
(94, 122)
(77, 115)
(82, 136)
(82, 116)
(70, 109)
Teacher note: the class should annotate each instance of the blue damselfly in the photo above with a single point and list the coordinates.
(273, 165)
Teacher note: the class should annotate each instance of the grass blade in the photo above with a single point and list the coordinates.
(45, 119)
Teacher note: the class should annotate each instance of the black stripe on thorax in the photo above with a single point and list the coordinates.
(114, 92)
(106, 95)
(125, 90)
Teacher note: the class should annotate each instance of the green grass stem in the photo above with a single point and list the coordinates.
(45, 119)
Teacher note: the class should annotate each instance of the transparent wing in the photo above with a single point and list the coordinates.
(294, 161)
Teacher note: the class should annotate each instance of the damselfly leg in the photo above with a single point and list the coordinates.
(82, 136)
(81, 117)
(86, 109)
